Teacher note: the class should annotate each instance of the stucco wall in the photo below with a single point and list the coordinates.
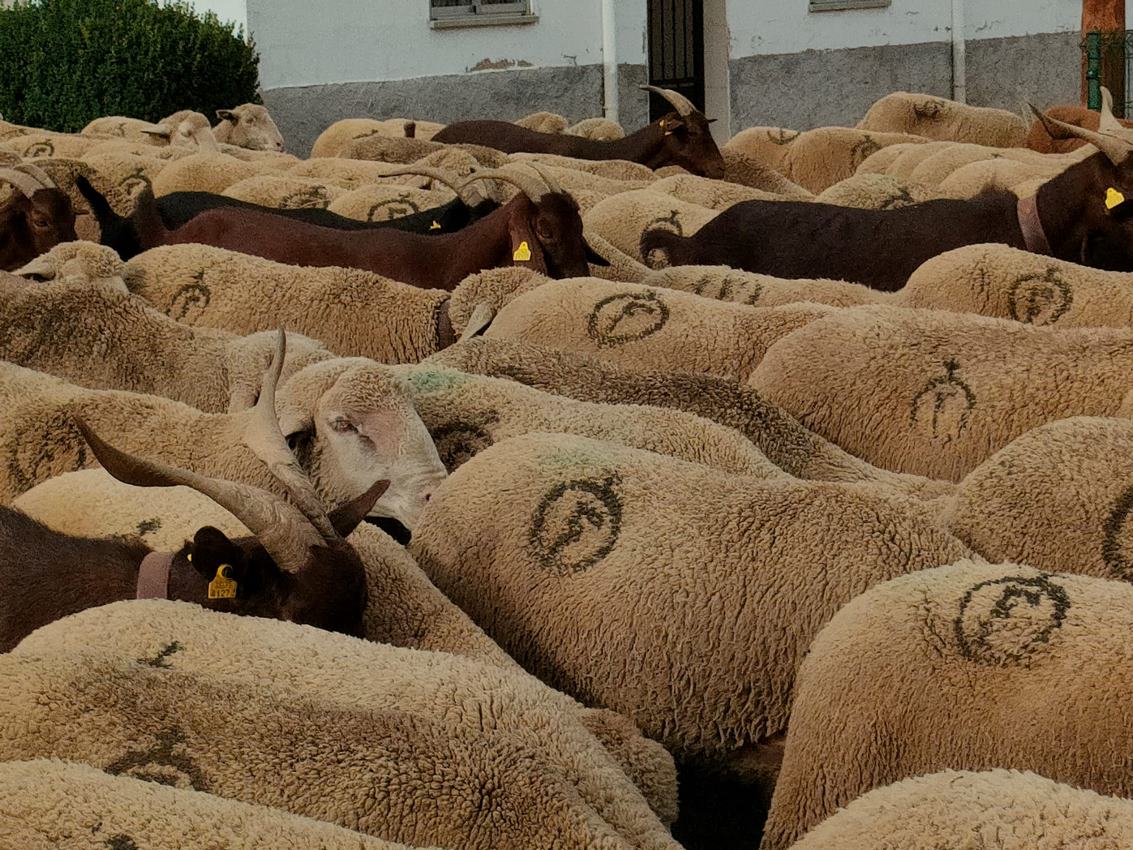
(227, 10)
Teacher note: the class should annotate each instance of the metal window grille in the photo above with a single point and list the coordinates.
(843, 5)
(442, 10)
(1109, 62)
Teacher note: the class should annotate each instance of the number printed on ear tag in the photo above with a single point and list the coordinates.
(222, 587)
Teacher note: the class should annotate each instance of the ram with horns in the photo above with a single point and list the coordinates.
(35, 218)
(681, 137)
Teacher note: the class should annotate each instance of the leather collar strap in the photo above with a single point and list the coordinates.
(153, 576)
(1029, 222)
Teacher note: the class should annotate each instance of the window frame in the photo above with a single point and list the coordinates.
(846, 5)
(475, 10)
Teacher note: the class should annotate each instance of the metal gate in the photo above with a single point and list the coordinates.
(676, 51)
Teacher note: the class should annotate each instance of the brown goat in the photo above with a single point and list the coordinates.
(297, 567)
(36, 218)
(680, 138)
(1081, 216)
(540, 228)
(1039, 138)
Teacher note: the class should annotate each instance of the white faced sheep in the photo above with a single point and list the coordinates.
(1015, 810)
(772, 430)
(248, 126)
(936, 393)
(967, 667)
(939, 118)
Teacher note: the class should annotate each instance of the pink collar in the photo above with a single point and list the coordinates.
(1029, 222)
(153, 576)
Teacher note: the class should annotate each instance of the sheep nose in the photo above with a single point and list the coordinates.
(428, 495)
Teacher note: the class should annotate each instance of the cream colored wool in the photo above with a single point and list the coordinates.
(468, 413)
(759, 290)
(119, 126)
(642, 327)
(741, 168)
(85, 262)
(249, 126)
(120, 178)
(348, 173)
(599, 129)
(552, 544)
(206, 172)
(391, 774)
(1006, 283)
(544, 122)
(967, 667)
(820, 158)
(492, 288)
(1014, 810)
(38, 145)
(711, 194)
(992, 174)
(904, 159)
(935, 393)
(354, 312)
(338, 135)
(308, 664)
(870, 191)
(1057, 497)
(611, 169)
(938, 118)
(589, 377)
(936, 168)
(621, 219)
(766, 145)
(285, 192)
(54, 805)
(122, 147)
(134, 129)
(96, 335)
(385, 149)
(385, 201)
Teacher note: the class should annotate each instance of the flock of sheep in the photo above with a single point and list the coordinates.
(530, 485)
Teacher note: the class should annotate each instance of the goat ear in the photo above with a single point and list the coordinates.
(479, 321)
(227, 115)
(593, 257)
(348, 517)
(295, 428)
(210, 549)
(526, 249)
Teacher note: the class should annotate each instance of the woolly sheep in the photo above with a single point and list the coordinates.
(1023, 811)
(248, 126)
(205, 172)
(966, 667)
(700, 655)
(50, 803)
(544, 122)
(870, 191)
(600, 129)
(285, 192)
(589, 377)
(611, 169)
(120, 178)
(77, 261)
(818, 159)
(759, 290)
(938, 118)
(338, 135)
(1006, 283)
(176, 130)
(767, 145)
(621, 219)
(385, 149)
(306, 663)
(993, 174)
(636, 325)
(385, 201)
(712, 194)
(355, 312)
(936, 168)
(622, 267)
(391, 774)
(901, 160)
(468, 413)
(49, 144)
(935, 393)
(742, 169)
(347, 430)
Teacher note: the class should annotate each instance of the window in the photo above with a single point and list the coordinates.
(842, 5)
(473, 12)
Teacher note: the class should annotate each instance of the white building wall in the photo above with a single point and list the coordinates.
(235, 11)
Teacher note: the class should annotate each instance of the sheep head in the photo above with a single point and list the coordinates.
(249, 126)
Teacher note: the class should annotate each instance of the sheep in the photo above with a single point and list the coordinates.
(819, 158)
(38, 145)
(992, 174)
(947, 809)
(338, 135)
(285, 191)
(392, 774)
(95, 334)
(621, 219)
(206, 172)
(942, 119)
(174, 130)
(599, 129)
(1076, 215)
(1005, 283)
(47, 799)
(759, 290)
(384, 202)
(682, 137)
(543, 122)
(743, 170)
(468, 413)
(381, 148)
(935, 393)
(611, 169)
(121, 177)
(36, 217)
(869, 191)
(347, 431)
(900, 160)
(627, 323)
(713, 194)
(766, 145)
(1058, 497)
(698, 655)
(248, 126)
(965, 667)
(587, 377)
(472, 696)
(86, 262)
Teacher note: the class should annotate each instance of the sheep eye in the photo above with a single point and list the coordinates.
(343, 426)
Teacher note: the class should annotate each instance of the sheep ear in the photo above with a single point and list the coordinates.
(479, 321)
(159, 131)
(295, 428)
(227, 115)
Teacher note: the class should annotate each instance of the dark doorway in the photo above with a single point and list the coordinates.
(676, 52)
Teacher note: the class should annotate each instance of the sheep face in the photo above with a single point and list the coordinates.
(351, 423)
(30, 226)
(688, 143)
(249, 126)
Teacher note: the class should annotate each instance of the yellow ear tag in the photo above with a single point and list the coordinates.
(1113, 198)
(222, 587)
(435, 226)
(522, 253)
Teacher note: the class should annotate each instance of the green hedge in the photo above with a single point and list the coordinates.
(66, 62)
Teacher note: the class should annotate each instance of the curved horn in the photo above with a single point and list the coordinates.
(1114, 147)
(548, 178)
(24, 182)
(679, 102)
(1107, 123)
(279, 527)
(426, 171)
(38, 173)
(529, 187)
(265, 438)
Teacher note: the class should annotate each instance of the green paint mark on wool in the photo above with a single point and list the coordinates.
(435, 379)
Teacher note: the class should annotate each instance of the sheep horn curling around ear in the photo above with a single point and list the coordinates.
(1114, 147)
(679, 102)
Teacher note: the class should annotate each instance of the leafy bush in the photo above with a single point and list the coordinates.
(66, 62)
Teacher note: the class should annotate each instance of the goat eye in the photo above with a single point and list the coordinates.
(40, 222)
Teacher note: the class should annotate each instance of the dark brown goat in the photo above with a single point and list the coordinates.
(1081, 216)
(35, 219)
(680, 138)
(1040, 140)
(297, 567)
(540, 228)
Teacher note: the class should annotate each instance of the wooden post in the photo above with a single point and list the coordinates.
(1108, 18)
